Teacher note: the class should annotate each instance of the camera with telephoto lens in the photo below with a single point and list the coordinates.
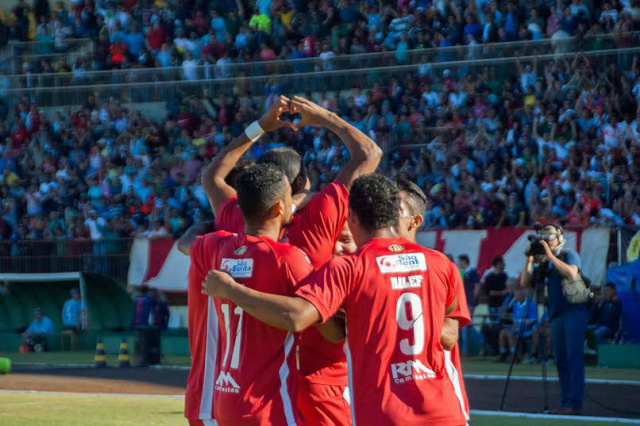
(535, 245)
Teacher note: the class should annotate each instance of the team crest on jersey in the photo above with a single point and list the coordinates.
(396, 247)
(241, 250)
(397, 263)
(237, 268)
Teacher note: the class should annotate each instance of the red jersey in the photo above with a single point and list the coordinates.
(254, 378)
(314, 229)
(454, 364)
(203, 331)
(395, 294)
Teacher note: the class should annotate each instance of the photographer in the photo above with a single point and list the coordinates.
(549, 263)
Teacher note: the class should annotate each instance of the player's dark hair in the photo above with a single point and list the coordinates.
(259, 188)
(238, 169)
(375, 200)
(611, 286)
(465, 258)
(414, 196)
(496, 260)
(290, 162)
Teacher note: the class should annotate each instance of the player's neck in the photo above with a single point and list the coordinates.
(270, 229)
(390, 232)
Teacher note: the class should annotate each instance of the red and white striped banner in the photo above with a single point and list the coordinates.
(159, 264)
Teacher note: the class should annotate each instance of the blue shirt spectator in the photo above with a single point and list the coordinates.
(41, 324)
(143, 306)
(71, 311)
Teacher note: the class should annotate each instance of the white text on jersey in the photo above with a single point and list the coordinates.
(225, 383)
(403, 372)
(412, 281)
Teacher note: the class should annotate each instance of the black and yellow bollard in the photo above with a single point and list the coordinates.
(123, 357)
(100, 359)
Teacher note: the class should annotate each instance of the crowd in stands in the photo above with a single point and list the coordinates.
(162, 33)
(557, 141)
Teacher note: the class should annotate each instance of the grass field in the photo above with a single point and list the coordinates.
(24, 409)
(469, 366)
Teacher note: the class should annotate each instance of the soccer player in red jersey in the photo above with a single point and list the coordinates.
(395, 294)
(314, 229)
(414, 204)
(250, 375)
(202, 326)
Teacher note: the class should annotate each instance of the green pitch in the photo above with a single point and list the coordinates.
(54, 409)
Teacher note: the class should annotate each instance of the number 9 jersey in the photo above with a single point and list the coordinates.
(395, 294)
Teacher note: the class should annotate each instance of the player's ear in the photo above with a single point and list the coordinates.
(278, 209)
(417, 221)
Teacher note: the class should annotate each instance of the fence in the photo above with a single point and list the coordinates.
(15, 54)
(298, 83)
(338, 63)
(106, 257)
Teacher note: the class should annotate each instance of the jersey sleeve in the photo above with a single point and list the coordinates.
(196, 253)
(229, 217)
(328, 287)
(456, 288)
(316, 227)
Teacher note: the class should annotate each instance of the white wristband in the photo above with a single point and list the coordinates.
(294, 208)
(254, 131)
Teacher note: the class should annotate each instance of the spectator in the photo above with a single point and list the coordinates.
(494, 283)
(606, 315)
(36, 335)
(470, 278)
(72, 311)
(143, 307)
(521, 310)
(161, 311)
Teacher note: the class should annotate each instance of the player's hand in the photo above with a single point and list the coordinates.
(271, 121)
(217, 284)
(312, 114)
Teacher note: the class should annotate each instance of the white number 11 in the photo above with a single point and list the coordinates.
(235, 357)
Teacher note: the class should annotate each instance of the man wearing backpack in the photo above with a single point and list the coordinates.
(568, 320)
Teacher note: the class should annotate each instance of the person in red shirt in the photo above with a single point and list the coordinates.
(314, 229)
(395, 294)
(248, 377)
(414, 204)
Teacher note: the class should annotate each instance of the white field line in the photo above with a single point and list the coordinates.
(551, 416)
(128, 395)
(551, 379)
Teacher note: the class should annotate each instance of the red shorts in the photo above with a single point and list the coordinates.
(323, 405)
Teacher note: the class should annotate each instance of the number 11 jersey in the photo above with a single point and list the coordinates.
(395, 294)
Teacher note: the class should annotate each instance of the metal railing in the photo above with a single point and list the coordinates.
(298, 83)
(338, 63)
(107, 257)
(15, 54)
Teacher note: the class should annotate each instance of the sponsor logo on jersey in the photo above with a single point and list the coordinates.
(412, 281)
(396, 247)
(238, 268)
(226, 383)
(241, 250)
(413, 369)
(396, 263)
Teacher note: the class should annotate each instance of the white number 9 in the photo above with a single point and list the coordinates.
(416, 323)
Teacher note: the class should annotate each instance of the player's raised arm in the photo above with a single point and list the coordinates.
(365, 154)
(286, 313)
(215, 174)
(197, 229)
